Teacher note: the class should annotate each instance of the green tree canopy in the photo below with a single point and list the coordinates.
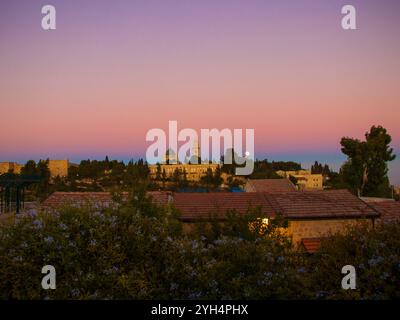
(365, 170)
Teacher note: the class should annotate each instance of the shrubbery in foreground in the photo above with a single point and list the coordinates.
(138, 251)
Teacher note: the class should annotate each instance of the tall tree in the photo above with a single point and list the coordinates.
(184, 181)
(158, 172)
(207, 179)
(164, 177)
(44, 173)
(106, 163)
(366, 167)
(29, 168)
(316, 168)
(176, 177)
(217, 177)
(326, 171)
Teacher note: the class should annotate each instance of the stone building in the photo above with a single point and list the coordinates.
(58, 168)
(191, 166)
(194, 172)
(6, 167)
(305, 180)
(311, 215)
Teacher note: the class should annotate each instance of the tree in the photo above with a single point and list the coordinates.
(366, 167)
(164, 177)
(286, 166)
(158, 172)
(176, 177)
(326, 171)
(184, 182)
(217, 179)
(207, 178)
(233, 182)
(29, 168)
(44, 184)
(318, 168)
(107, 163)
(263, 170)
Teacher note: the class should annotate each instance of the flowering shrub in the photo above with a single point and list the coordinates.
(375, 254)
(138, 251)
(97, 253)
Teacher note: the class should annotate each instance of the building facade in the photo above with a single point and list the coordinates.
(311, 215)
(305, 180)
(194, 172)
(13, 167)
(58, 168)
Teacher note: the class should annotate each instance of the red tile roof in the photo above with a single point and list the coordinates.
(195, 206)
(292, 205)
(160, 197)
(77, 198)
(321, 204)
(390, 210)
(269, 185)
(311, 244)
(58, 199)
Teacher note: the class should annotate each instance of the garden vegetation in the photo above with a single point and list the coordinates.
(137, 250)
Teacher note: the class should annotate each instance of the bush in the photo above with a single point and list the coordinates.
(138, 251)
(375, 254)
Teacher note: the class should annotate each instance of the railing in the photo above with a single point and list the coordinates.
(12, 191)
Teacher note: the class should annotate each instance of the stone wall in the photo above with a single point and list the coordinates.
(58, 168)
(299, 229)
(305, 179)
(5, 167)
(194, 172)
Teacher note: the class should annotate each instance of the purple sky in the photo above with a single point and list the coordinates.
(115, 69)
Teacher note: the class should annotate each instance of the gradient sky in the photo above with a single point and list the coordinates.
(115, 69)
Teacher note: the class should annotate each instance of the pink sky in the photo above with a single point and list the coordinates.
(109, 73)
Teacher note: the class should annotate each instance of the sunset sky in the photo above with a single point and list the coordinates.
(112, 70)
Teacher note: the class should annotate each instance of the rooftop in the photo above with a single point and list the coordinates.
(269, 185)
(193, 206)
(390, 210)
(321, 204)
(311, 244)
(58, 199)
